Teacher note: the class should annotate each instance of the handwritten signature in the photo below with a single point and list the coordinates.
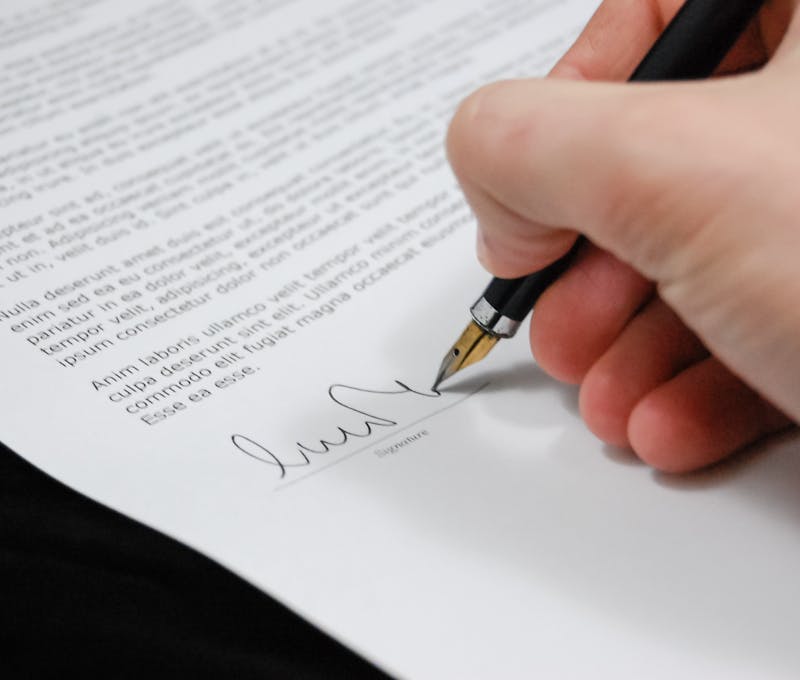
(368, 428)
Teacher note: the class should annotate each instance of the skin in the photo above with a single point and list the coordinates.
(680, 320)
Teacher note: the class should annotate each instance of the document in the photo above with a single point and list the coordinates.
(232, 255)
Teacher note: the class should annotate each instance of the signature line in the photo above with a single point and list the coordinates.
(384, 438)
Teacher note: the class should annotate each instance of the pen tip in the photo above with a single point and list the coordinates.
(473, 345)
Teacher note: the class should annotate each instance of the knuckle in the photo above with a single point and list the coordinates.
(468, 128)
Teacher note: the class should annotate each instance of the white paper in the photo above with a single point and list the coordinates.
(243, 208)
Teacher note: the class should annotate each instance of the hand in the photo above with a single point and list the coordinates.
(681, 320)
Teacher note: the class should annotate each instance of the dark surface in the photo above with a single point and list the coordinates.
(85, 589)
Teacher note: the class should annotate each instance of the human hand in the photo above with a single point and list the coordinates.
(681, 319)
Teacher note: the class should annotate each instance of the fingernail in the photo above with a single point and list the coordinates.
(566, 71)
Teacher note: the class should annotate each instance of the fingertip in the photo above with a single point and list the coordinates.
(510, 247)
(553, 360)
(603, 406)
(552, 337)
(660, 438)
(698, 418)
(548, 325)
(497, 258)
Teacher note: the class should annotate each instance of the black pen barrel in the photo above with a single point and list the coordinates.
(696, 41)
(515, 297)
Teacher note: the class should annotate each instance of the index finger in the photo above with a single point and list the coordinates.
(622, 31)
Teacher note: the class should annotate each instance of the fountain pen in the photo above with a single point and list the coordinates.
(692, 46)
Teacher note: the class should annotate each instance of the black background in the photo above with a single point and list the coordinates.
(85, 589)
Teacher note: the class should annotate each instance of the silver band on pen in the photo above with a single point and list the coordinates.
(492, 321)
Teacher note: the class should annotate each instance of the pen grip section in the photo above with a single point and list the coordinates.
(514, 298)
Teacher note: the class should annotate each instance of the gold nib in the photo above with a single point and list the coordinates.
(473, 345)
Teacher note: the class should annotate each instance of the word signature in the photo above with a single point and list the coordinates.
(303, 455)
